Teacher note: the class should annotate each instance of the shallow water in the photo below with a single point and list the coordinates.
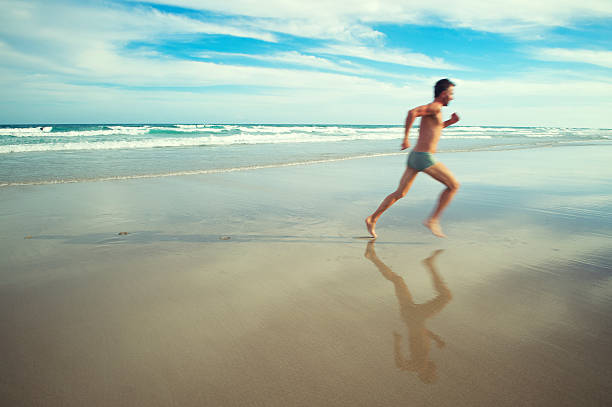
(68, 153)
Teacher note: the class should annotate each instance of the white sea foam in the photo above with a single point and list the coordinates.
(529, 132)
(487, 129)
(177, 142)
(210, 140)
(106, 131)
(25, 131)
(84, 145)
(272, 129)
(338, 130)
(227, 135)
(465, 137)
(118, 130)
(128, 131)
(190, 126)
(111, 130)
(185, 129)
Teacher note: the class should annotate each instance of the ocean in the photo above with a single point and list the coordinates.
(46, 154)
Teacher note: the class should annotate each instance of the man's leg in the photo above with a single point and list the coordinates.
(401, 191)
(440, 173)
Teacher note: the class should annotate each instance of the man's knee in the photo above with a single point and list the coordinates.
(453, 186)
(399, 194)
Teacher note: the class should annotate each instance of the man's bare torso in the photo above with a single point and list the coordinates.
(429, 132)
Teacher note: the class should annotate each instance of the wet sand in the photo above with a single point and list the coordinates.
(257, 288)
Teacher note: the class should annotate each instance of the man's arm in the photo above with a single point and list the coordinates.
(454, 119)
(425, 110)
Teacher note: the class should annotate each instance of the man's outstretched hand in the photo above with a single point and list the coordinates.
(455, 117)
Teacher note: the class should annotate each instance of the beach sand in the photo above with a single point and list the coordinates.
(252, 288)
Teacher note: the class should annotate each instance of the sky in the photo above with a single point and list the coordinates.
(514, 63)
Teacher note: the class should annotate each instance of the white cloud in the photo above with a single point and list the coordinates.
(86, 43)
(512, 17)
(297, 58)
(326, 27)
(289, 57)
(74, 22)
(309, 61)
(585, 56)
(100, 63)
(387, 55)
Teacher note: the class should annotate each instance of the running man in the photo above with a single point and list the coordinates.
(421, 157)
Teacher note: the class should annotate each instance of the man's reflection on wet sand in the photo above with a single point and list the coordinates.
(414, 316)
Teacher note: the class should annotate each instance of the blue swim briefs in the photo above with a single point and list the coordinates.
(420, 160)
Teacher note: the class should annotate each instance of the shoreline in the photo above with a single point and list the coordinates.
(292, 164)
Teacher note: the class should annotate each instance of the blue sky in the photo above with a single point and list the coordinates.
(522, 62)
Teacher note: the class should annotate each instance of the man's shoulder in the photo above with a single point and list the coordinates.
(436, 107)
(433, 108)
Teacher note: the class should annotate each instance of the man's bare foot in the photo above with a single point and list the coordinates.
(434, 226)
(371, 225)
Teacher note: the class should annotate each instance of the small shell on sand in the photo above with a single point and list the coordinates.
(123, 233)
(225, 238)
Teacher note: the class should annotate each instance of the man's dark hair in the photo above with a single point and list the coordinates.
(441, 86)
